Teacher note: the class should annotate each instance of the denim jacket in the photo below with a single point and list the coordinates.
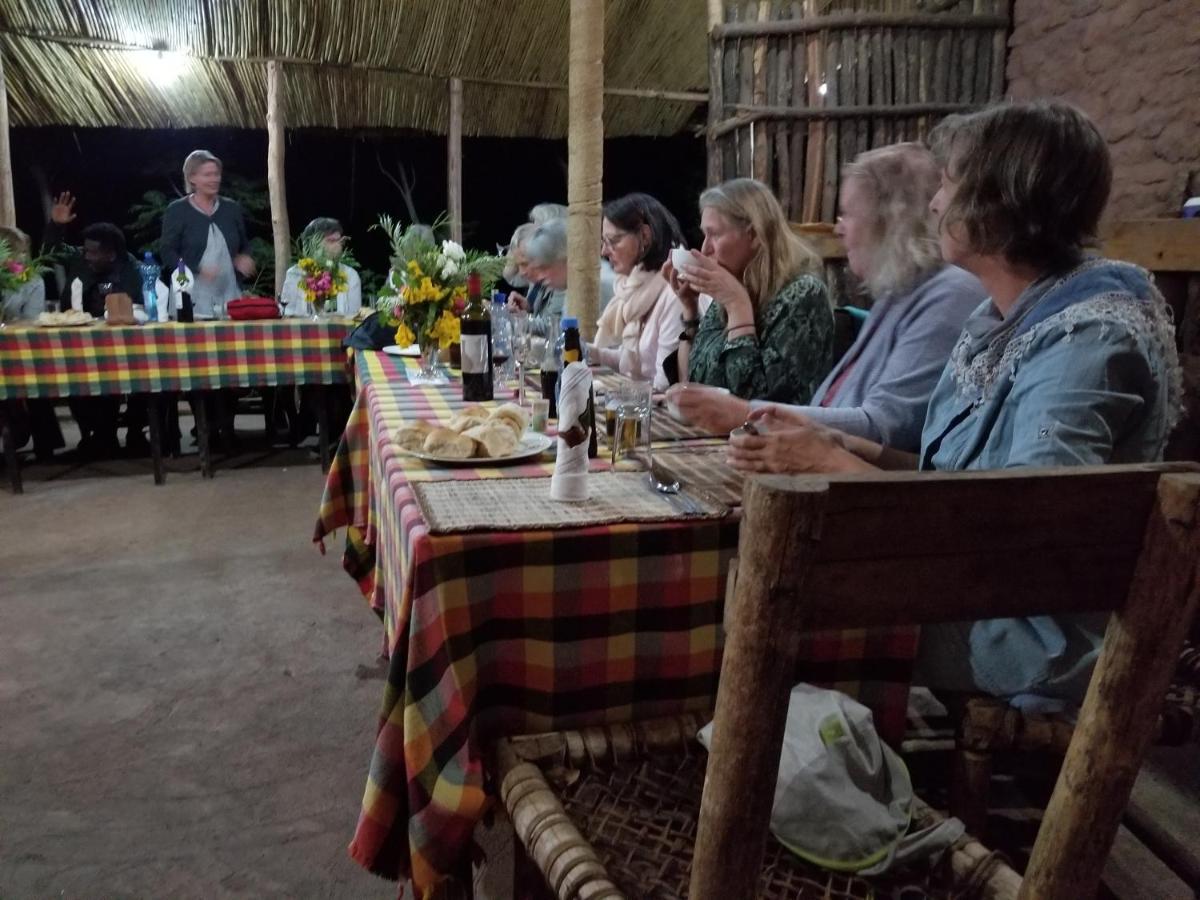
(1082, 371)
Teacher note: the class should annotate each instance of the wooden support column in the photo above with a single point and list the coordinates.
(8, 207)
(454, 160)
(585, 162)
(716, 90)
(276, 184)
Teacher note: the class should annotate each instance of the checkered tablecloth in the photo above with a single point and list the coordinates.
(101, 359)
(501, 633)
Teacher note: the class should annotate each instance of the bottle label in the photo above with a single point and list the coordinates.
(570, 356)
(474, 354)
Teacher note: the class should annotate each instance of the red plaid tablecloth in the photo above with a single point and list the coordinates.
(495, 634)
(101, 359)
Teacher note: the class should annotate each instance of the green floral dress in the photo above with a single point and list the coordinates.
(786, 362)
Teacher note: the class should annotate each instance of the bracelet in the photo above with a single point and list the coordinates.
(746, 331)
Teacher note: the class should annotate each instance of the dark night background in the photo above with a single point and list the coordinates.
(336, 173)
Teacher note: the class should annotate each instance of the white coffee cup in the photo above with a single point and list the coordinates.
(680, 257)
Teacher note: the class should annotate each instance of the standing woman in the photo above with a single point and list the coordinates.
(208, 232)
(640, 326)
(768, 332)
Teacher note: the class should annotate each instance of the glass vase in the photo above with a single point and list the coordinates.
(429, 370)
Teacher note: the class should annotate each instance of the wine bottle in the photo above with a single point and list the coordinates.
(573, 352)
(476, 344)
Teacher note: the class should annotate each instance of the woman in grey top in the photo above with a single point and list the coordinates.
(208, 232)
(880, 388)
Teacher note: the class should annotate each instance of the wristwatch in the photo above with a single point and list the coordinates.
(689, 328)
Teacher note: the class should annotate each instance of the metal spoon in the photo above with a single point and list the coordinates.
(670, 489)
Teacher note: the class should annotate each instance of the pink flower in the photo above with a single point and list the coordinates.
(15, 267)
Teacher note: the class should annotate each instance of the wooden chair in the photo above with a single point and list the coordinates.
(823, 552)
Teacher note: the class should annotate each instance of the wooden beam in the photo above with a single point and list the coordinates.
(585, 162)
(820, 237)
(276, 183)
(454, 160)
(716, 93)
(8, 206)
(1160, 245)
(810, 24)
(750, 113)
(695, 97)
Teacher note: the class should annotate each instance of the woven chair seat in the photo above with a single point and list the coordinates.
(612, 812)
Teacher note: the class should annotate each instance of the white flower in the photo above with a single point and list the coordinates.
(449, 268)
(453, 250)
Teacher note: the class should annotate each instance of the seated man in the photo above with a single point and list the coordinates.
(102, 266)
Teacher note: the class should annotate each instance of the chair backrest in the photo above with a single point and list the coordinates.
(851, 552)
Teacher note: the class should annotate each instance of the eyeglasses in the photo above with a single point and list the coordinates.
(608, 243)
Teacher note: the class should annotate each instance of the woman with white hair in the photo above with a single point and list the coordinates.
(879, 390)
(546, 252)
(768, 332)
(208, 232)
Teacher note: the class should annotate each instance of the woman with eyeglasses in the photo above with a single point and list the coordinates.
(639, 328)
(767, 333)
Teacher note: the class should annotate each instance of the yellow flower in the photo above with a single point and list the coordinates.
(404, 336)
(447, 329)
(308, 263)
(414, 268)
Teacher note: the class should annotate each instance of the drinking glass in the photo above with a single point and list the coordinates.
(522, 347)
(631, 430)
(502, 347)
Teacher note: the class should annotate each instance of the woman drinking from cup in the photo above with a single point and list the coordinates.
(768, 330)
(880, 388)
(640, 326)
(1072, 362)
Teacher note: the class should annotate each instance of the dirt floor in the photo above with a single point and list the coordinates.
(187, 688)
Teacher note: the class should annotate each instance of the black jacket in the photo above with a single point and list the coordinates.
(185, 232)
(124, 276)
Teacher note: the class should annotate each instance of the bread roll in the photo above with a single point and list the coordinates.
(514, 416)
(449, 444)
(496, 438)
(412, 436)
(466, 419)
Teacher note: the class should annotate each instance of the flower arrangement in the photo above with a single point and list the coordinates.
(322, 276)
(426, 290)
(17, 269)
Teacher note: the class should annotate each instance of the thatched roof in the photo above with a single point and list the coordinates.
(349, 63)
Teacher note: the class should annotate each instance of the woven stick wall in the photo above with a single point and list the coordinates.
(800, 87)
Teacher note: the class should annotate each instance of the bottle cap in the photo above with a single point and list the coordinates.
(148, 256)
(569, 322)
(500, 298)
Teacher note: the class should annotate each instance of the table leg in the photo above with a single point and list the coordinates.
(202, 435)
(323, 398)
(10, 457)
(154, 412)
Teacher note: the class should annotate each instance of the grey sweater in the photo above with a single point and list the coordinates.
(185, 232)
(896, 361)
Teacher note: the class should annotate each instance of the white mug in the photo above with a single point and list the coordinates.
(680, 257)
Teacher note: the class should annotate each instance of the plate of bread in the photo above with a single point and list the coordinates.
(475, 436)
(68, 319)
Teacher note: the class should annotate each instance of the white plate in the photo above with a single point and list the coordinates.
(413, 351)
(532, 444)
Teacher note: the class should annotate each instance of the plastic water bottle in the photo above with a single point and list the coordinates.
(149, 271)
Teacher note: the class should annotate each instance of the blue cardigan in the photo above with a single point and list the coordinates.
(896, 360)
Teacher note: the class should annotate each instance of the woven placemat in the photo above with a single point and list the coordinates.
(524, 504)
(704, 468)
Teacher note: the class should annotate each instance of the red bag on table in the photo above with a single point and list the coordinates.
(252, 308)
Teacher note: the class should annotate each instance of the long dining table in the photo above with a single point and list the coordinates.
(494, 632)
(160, 358)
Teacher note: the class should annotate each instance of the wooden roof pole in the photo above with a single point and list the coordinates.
(454, 160)
(716, 90)
(276, 184)
(8, 207)
(585, 162)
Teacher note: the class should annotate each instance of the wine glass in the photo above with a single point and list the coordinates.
(522, 346)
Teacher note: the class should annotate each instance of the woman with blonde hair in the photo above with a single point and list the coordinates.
(29, 300)
(768, 330)
(880, 388)
(208, 232)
